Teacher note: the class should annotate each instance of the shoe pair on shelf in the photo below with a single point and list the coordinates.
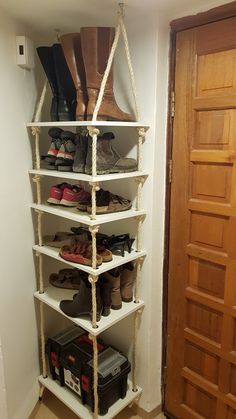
(69, 195)
(76, 247)
(75, 196)
(113, 288)
(60, 155)
(69, 151)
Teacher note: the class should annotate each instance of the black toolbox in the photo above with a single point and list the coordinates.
(55, 345)
(113, 369)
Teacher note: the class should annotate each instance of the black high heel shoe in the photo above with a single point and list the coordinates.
(120, 242)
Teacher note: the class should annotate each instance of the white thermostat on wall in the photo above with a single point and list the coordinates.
(24, 52)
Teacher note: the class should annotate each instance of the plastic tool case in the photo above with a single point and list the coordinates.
(113, 368)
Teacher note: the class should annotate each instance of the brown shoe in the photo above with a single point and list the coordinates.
(71, 46)
(112, 279)
(127, 282)
(96, 46)
(107, 203)
(82, 301)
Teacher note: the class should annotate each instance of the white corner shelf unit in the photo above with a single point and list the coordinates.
(52, 296)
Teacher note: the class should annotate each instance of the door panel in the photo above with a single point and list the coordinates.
(201, 341)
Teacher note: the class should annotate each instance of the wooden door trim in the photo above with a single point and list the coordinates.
(215, 14)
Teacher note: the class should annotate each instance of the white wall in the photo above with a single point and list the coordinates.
(17, 283)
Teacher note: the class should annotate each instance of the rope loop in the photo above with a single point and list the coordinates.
(36, 179)
(141, 133)
(94, 229)
(92, 279)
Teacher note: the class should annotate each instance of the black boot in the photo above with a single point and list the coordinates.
(61, 83)
(66, 88)
(46, 58)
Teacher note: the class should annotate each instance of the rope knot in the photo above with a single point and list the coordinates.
(94, 229)
(141, 133)
(92, 279)
(93, 131)
(35, 131)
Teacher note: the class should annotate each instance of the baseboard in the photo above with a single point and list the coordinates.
(144, 414)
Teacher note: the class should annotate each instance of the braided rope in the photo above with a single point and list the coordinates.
(94, 230)
(94, 132)
(37, 180)
(93, 279)
(141, 139)
(95, 375)
(140, 181)
(134, 380)
(39, 227)
(38, 112)
(41, 284)
(131, 71)
(138, 239)
(106, 74)
(137, 280)
(42, 339)
(95, 188)
(36, 132)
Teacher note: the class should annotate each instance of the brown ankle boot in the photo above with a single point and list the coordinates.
(71, 46)
(96, 46)
(82, 301)
(127, 282)
(113, 282)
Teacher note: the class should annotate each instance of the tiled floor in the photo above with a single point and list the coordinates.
(52, 408)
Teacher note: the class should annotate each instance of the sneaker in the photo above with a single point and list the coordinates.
(55, 145)
(66, 152)
(71, 196)
(56, 193)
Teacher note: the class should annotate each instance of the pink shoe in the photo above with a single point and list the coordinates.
(56, 192)
(71, 196)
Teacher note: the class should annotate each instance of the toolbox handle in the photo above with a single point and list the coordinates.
(115, 371)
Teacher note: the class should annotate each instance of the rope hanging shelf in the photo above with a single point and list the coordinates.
(93, 131)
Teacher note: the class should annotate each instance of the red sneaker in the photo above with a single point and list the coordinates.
(71, 196)
(56, 192)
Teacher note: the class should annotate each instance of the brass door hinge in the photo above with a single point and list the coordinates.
(172, 106)
(170, 170)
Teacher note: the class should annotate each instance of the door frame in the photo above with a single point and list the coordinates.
(213, 15)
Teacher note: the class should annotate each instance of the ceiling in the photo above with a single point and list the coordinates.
(44, 15)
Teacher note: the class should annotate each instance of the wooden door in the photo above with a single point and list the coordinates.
(201, 342)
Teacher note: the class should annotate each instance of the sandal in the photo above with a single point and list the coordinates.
(62, 238)
(120, 242)
(67, 278)
(107, 203)
(79, 253)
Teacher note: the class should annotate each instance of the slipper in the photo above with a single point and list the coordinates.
(104, 253)
(66, 278)
(60, 239)
(79, 253)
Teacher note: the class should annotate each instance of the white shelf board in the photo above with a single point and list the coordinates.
(106, 266)
(72, 401)
(83, 217)
(52, 297)
(88, 124)
(87, 178)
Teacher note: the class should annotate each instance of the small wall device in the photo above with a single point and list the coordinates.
(24, 52)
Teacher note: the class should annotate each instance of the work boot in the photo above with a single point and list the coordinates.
(112, 279)
(108, 160)
(46, 58)
(96, 46)
(65, 156)
(55, 134)
(66, 88)
(81, 150)
(82, 301)
(71, 46)
(105, 295)
(127, 282)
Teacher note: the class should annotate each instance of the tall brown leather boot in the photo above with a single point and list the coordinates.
(71, 46)
(96, 45)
